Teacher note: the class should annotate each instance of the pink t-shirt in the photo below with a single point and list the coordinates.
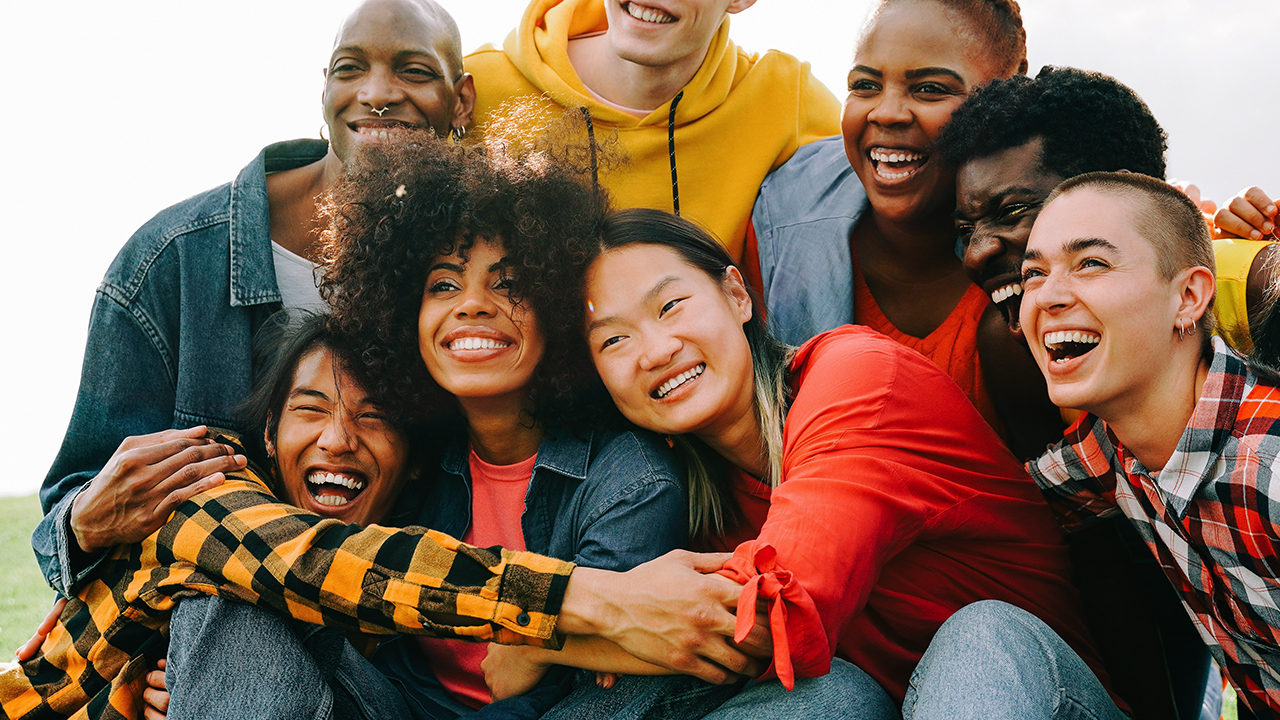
(497, 503)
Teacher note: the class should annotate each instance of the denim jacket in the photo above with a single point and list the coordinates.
(803, 217)
(611, 500)
(169, 338)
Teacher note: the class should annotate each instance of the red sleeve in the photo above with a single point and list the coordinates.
(851, 497)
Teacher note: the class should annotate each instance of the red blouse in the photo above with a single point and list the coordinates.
(898, 506)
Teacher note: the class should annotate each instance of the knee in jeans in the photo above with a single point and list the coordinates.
(987, 622)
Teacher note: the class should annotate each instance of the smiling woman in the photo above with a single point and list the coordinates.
(440, 266)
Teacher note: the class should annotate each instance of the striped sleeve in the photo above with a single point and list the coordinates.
(239, 542)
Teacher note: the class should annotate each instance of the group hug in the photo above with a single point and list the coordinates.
(620, 372)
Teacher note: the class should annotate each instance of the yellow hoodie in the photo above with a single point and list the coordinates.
(740, 116)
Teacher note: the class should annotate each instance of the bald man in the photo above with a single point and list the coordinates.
(169, 337)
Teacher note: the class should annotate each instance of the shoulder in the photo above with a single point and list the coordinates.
(816, 183)
(206, 213)
(621, 456)
(876, 358)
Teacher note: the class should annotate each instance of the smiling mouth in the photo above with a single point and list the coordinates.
(477, 343)
(383, 131)
(1008, 300)
(334, 489)
(647, 14)
(891, 164)
(1067, 345)
(669, 386)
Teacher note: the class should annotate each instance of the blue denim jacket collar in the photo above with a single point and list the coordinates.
(253, 272)
(563, 458)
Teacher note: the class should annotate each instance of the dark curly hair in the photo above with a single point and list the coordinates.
(1089, 122)
(997, 24)
(397, 209)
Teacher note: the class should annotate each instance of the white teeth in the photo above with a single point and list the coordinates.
(894, 157)
(332, 500)
(1059, 337)
(476, 343)
(648, 14)
(1006, 292)
(335, 479)
(675, 382)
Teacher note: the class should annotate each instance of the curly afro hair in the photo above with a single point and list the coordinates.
(398, 209)
(1089, 122)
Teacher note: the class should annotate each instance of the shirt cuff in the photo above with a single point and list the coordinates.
(74, 564)
(529, 599)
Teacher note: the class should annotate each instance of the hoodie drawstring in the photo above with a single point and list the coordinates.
(591, 141)
(671, 152)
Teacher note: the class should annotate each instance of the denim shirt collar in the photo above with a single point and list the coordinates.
(560, 467)
(253, 272)
(560, 451)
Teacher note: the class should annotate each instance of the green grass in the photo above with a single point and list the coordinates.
(24, 596)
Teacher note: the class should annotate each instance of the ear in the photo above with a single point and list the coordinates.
(737, 6)
(1196, 286)
(266, 441)
(464, 113)
(736, 288)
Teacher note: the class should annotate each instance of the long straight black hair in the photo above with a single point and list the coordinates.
(770, 359)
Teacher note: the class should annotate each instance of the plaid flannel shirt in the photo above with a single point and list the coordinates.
(1209, 516)
(238, 541)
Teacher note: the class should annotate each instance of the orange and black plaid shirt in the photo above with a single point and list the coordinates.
(239, 542)
(1211, 516)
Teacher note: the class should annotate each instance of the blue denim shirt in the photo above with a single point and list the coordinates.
(611, 500)
(169, 338)
(803, 218)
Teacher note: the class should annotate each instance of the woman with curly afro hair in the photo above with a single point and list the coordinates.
(438, 264)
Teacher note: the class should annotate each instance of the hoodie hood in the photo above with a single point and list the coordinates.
(539, 50)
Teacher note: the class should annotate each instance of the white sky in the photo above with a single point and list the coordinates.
(120, 109)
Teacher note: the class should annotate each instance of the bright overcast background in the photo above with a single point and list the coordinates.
(119, 109)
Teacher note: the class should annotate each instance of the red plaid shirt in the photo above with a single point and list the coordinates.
(1209, 516)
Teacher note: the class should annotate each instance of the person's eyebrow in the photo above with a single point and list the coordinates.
(648, 298)
(502, 264)
(867, 70)
(1072, 247)
(1080, 244)
(309, 392)
(453, 267)
(999, 197)
(925, 72)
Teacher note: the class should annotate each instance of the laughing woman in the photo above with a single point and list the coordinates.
(864, 497)
(436, 264)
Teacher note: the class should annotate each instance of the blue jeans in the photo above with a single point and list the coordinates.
(993, 660)
(228, 659)
(844, 693)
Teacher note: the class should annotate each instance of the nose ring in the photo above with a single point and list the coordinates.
(380, 112)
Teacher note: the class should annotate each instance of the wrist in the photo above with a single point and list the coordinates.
(584, 606)
(79, 533)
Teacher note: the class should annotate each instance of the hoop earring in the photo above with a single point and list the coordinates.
(1182, 331)
(458, 133)
(1193, 326)
(322, 129)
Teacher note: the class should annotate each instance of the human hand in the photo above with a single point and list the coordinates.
(670, 612)
(156, 695)
(1250, 214)
(607, 680)
(28, 649)
(511, 670)
(146, 478)
(1207, 206)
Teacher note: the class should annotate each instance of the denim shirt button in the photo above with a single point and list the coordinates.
(523, 619)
